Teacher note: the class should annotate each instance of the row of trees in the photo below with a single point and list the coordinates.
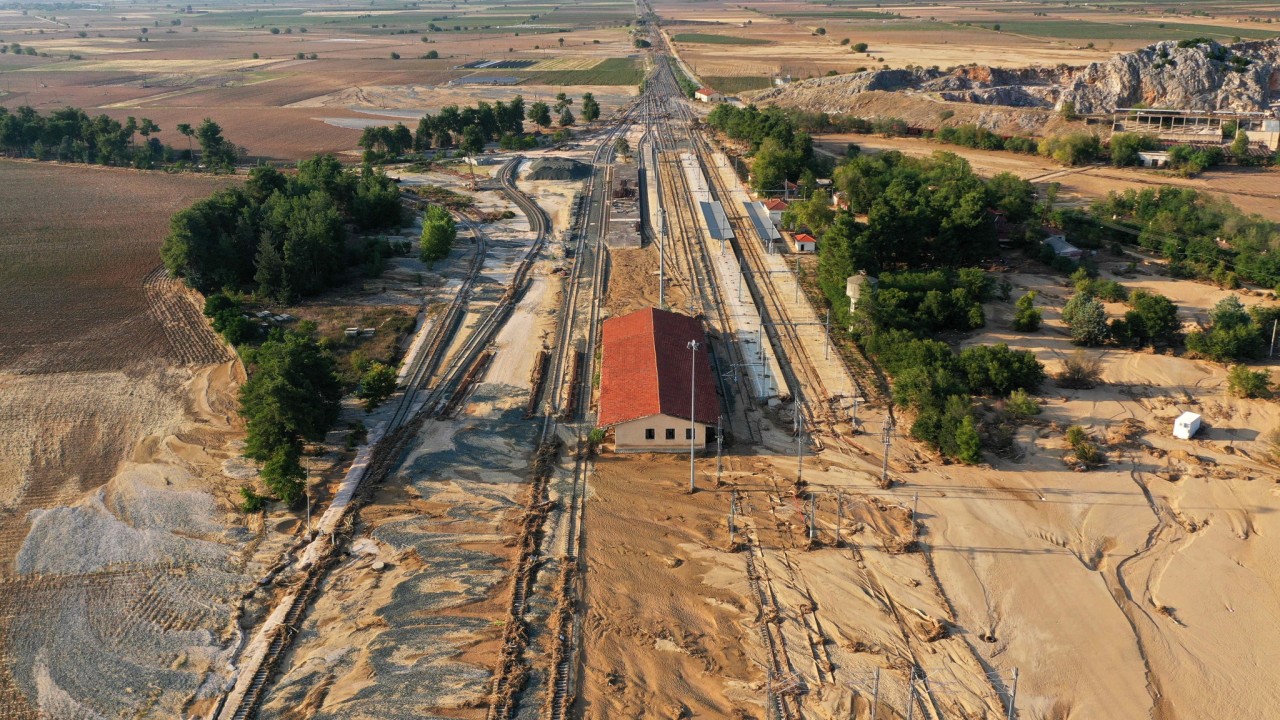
(781, 151)
(1201, 235)
(284, 235)
(291, 397)
(71, 135)
(470, 128)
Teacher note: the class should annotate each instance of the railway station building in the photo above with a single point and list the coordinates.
(645, 374)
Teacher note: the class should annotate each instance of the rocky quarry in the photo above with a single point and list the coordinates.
(1184, 75)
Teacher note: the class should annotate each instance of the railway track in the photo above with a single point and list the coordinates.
(401, 430)
(565, 399)
(703, 283)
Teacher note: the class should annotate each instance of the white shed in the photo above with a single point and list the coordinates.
(1186, 426)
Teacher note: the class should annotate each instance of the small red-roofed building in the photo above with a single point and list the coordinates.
(706, 94)
(803, 243)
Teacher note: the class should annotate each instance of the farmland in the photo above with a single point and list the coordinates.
(808, 40)
(248, 67)
(709, 39)
(111, 386)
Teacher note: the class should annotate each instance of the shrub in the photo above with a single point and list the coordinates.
(968, 444)
(250, 501)
(1087, 320)
(1072, 148)
(997, 370)
(376, 385)
(1026, 318)
(1080, 371)
(1233, 335)
(1246, 383)
(1086, 452)
(1021, 404)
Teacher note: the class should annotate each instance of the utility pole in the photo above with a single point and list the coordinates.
(662, 259)
(693, 394)
(307, 488)
(799, 439)
(813, 517)
(719, 448)
(1013, 696)
(826, 345)
(888, 438)
(1274, 323)
(840, 518)
(797, 279)
(875, 696)
(733, 516)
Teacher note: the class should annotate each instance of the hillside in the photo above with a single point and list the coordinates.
(1206, 76)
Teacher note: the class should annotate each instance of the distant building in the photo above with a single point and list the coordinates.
(776, 207)
(706, 94)
(645, 375)
(804, 243)
(1153, 158)
(781, 80)
(1061, 247)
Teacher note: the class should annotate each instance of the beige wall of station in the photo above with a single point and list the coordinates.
(631, 436)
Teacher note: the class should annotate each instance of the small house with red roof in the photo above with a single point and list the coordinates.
(803, 243)
(651, 380)
(776, 207)
(706, 94)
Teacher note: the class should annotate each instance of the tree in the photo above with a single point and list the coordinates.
(566, 118)
(472, 141)
(438, 233)
(283, 474)
(1232, 335)
(968, 444)
(1086, 319)
(292, 395)
(998, 370)
(395, 56)
(215, 151)
(1153, 319)
(1245, 383)
(590, 108)
(621, 146)
(1240, 145)
(1026, 317)
(860, 47)
(1013, 195)
(540, 113)
(1126, 146)
(185, 129)
(376, 385)
(1072, 148)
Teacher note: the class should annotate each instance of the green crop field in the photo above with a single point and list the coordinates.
(614, 71)
(717, 39)
(737, 83)
(1084, 30)
(840, 15)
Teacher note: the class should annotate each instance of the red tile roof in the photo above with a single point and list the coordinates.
(805, 237)
(645, 368)
(774, 204)
(707, 91)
